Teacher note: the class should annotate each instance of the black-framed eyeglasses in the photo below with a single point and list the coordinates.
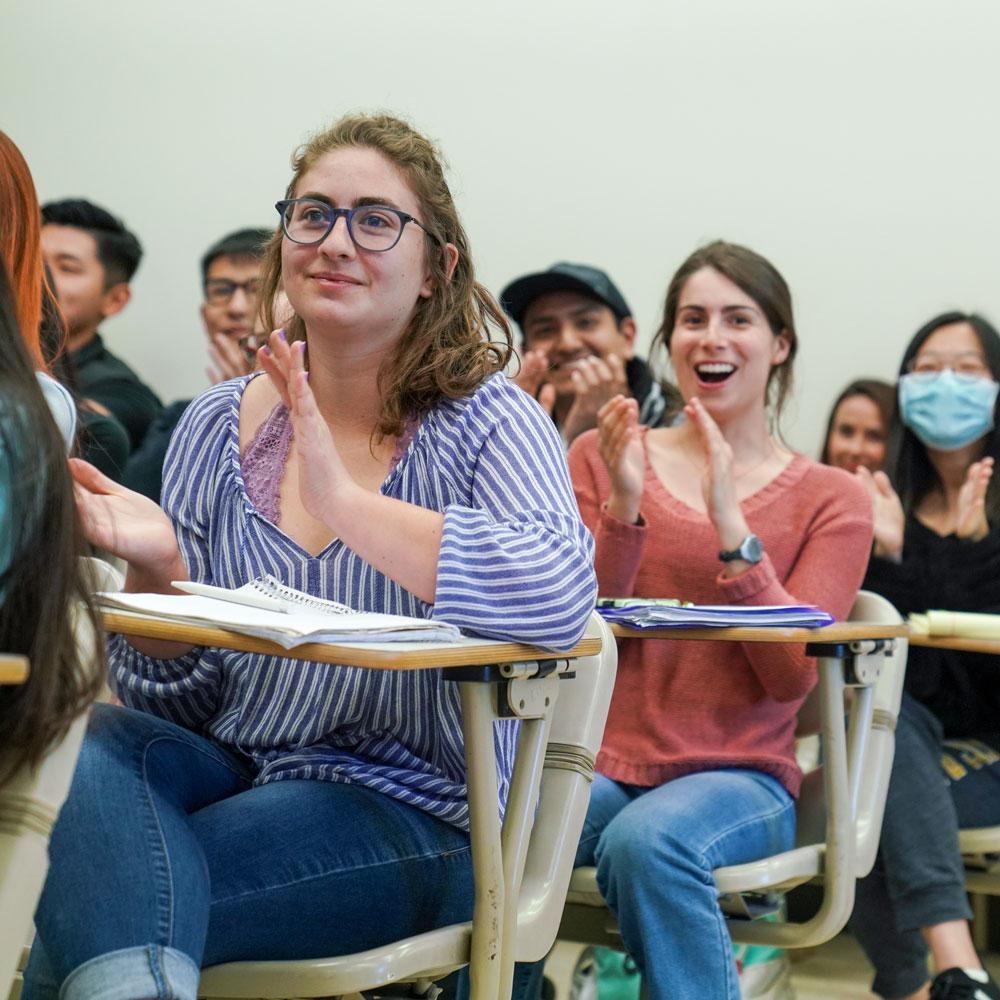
(218, 291)
(371, 227)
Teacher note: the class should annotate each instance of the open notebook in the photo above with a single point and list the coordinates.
(266, 608)
(638, 612)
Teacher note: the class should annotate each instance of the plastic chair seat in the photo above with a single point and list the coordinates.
(425, 956)
(979, 840)
(980, 847)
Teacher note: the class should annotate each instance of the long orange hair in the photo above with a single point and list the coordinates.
(21, 245)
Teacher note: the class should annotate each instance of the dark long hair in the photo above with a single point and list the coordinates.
(909, 467)
(882, 394)
(41, 587)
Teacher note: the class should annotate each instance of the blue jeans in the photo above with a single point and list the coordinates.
(166, 858)
(655, 850)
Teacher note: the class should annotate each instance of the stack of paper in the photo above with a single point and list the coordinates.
(639, 613)
(959, 624)
(286, 628)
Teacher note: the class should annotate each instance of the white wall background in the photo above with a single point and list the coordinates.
(856, 143)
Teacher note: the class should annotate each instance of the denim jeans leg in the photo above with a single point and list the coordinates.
(157, 972)
(126, 874)
(654, 866)
(307, 869)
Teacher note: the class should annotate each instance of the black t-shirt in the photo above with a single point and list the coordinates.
(106, 379)
(961, 689)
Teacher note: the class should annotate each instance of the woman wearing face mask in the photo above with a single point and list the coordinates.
(937, 545)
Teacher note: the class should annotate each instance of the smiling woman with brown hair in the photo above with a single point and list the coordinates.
(241, 800)
(857, 432)
(698, 769)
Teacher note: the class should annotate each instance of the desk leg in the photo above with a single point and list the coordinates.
(519, 818)
(484, 830)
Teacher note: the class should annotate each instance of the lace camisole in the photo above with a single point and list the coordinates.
(263, 461)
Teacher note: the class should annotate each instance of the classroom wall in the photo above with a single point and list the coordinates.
(855, 143)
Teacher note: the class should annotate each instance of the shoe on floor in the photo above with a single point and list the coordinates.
(964, 984)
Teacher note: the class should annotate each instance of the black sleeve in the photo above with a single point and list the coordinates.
(144, 469)
(132, 402)
(103, 442)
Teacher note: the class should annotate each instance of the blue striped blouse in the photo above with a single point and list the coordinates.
(516, 563)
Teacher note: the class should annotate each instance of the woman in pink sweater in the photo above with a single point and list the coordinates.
(698, 769)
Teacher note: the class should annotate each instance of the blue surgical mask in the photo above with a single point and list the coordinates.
(946, 410)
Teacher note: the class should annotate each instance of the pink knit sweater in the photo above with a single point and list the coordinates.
(682, 706)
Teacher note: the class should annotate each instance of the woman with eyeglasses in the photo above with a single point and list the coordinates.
(697, 769)
(937, 545)
(244, 806)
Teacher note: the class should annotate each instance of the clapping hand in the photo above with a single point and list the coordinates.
(971, 524)
(595, 382)
(621, 450)
(228, 360)
(532, 378)
(718, 484)
(889, 518)
(128, 525)
(323, 477)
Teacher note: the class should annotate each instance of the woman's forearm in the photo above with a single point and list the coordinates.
(399, 539)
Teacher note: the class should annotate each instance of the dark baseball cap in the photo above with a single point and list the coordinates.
(562, 277)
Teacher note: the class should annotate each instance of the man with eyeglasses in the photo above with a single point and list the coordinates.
(230, 272)
(230, 276)
(578, 340)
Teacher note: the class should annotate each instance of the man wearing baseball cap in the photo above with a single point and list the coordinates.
(578, 347)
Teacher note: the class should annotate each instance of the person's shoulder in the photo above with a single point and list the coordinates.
(496, 399)
(101, 359)
(216, 407)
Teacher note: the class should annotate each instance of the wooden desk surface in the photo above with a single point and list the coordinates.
(955, 642)
(13, 668)
(842, 632)
(382, 655)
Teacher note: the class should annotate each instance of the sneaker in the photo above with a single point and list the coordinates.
(964, 984)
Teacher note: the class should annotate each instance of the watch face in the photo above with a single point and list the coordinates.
(751, 549)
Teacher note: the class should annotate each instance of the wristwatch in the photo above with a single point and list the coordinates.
(750, 551)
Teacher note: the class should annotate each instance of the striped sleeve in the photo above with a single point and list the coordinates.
(184, 690)
(516, 561)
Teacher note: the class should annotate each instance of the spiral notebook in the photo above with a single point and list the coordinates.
(268, 609)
